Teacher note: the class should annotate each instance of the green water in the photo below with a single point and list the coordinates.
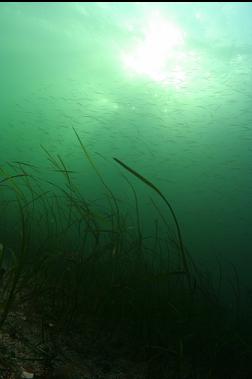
(164, 87)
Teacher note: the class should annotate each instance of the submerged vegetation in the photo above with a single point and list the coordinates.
(81, 266)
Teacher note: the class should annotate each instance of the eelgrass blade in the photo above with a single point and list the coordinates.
(110, 193)
(12, 177)
(19, 265)
(148, 183)
(140, 237)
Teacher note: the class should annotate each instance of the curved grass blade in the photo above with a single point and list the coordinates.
(148, 183)
(108, 190)
(12, 177)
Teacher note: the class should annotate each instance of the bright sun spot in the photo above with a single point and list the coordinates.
(157, 50)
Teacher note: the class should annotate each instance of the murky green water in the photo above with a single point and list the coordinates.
(166, 88)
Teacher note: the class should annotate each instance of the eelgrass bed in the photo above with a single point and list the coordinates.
(68, 261)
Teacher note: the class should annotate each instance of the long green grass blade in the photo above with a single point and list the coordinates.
(148, 183)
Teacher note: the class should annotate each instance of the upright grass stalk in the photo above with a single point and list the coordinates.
(18, 269)
(108, 191)
(140, 237)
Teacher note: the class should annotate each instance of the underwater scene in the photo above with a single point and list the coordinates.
(126, 190)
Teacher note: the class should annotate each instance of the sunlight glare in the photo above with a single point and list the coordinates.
(158, 46)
